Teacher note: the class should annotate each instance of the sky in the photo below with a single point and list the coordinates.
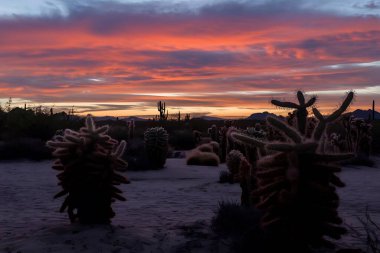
(222, 58)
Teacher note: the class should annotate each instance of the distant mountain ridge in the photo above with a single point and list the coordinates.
(208, 118)
(261, 116)
(112, 118)
(364, 114)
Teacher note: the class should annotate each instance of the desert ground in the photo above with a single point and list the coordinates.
(167, 210)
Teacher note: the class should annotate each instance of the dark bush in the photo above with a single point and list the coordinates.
(24, 148)
(182, 139)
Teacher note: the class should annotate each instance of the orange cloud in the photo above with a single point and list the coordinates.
(140, 57)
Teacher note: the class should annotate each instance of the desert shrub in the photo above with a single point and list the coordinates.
(156, 145)
(197, 157)
(88, 161)
(24, 148)
(182, 140)
(136, 156)
(118, 132)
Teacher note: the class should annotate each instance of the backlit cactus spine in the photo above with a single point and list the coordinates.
(88, 161)
(156, 145)
(297, 186)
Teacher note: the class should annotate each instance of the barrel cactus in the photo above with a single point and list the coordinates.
(156, 145)
(297, 184)
(89, 161)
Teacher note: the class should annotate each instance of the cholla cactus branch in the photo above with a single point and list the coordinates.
(323, 121)
(250, 141)
(286, 129)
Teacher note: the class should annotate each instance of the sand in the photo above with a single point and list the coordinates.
(166, 211)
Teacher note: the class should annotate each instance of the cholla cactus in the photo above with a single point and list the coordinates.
(88, 161)
(297, 185)
(301, 109)
(156, 145)
(233, 161)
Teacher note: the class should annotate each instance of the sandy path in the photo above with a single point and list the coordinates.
(162, 207)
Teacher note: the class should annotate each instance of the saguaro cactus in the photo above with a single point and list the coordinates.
(297, 186)
(161, 108)
(156, 145)
(88, 161)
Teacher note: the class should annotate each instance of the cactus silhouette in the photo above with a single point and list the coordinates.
(161, 108)
(88, 161)
(156, 145)
(297, 185)
(301, 109)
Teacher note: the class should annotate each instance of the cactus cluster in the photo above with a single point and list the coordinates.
(156, 141)
(296, 184)
(355, 138)
(88, 161)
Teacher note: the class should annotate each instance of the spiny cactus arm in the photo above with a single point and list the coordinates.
(301, 98)
(120, 149)
(320, 128)
(57, 165)
(323, 121)
(118, 197)
(102, 129)
(60, 144)
(64, 204)
(311, 101)
(247, 140)
(271, 187)
(59, 152)
(343, 107)
(336, 181)
(121, 165)
(120, 179)
(285, 129)
(287, 147)
(61, 193)
(267, 201)
(284, 104)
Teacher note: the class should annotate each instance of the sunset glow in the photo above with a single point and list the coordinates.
(220, 58)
